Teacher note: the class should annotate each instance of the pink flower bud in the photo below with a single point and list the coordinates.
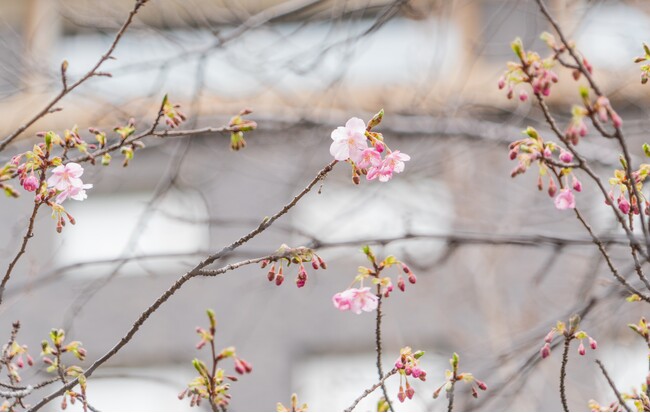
(314, 264)
(279, 279)
(379, 147)
(400, 395)
(481, 385)
(623, 205)
(616, 120)
(412, 278)
(523, 96)
(593, 344)
(552, 188)
(416, 372)
(19, 362)
(512, 154)
(566, 156)
(581, 349)
(547, 153)
(30, 360)
(399, 365)
(546, 350)
(410, 392)
(549, 336)
(501, 83)
(400, 283)
(577, 185)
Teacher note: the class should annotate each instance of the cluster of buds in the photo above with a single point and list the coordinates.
(645, 69)
(237, 126)
(173, 116)
(577, 127)
(531, 69)
(641, 329)
(294, 407)
(286, 255)
(534, 149)
(452, 376)
(639, 398)
(626, 200)
(604, 110)
(14, 356)
(363, 149)
(570, 333)
(213, 385)
(362, 299)
(408, 364)
(53, 352)
(594, 406)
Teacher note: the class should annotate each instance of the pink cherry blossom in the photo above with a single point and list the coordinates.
(30, 183)
(369, 157)
(565, 200)
(349, 140)
(74, 192)
(66, 179)
(356, 299)
(393, 163)
(66, 175)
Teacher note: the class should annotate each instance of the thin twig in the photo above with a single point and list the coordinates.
(67, 89)
(367, 392)
(621, 402)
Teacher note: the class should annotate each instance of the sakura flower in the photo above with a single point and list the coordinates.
(78, 193)
(349, 140)
(565, 200)
(30, 183)
(66, 179)
(356, 299)
(369, 157)
(66, 175)
(393, 163)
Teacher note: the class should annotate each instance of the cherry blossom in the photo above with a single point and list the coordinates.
(66, 179)
(349, 141)
(30, 183)
(356, 299)
(565, 200)
(392, 163)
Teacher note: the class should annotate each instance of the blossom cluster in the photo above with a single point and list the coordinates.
(547, 155)
(286, 255)
(294, 407)
(357, 144)
(408, 364)
(52, 352)
(570, 333)
(213, 384)
(362, 298)
(452, 376)
(645, 69)
(626, 201)
(531, 69)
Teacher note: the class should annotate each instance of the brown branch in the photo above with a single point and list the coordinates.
(367, 392)
(610, 264)
(380, 369)
(565, 361)
(611, 384)
(198, 270)
(67, 89)
(23, 247)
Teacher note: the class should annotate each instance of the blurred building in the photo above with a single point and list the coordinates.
(492, 280)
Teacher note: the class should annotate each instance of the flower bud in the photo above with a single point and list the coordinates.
(546, 350)
(593, 344)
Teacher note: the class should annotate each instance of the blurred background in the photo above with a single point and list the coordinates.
(498, 265)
